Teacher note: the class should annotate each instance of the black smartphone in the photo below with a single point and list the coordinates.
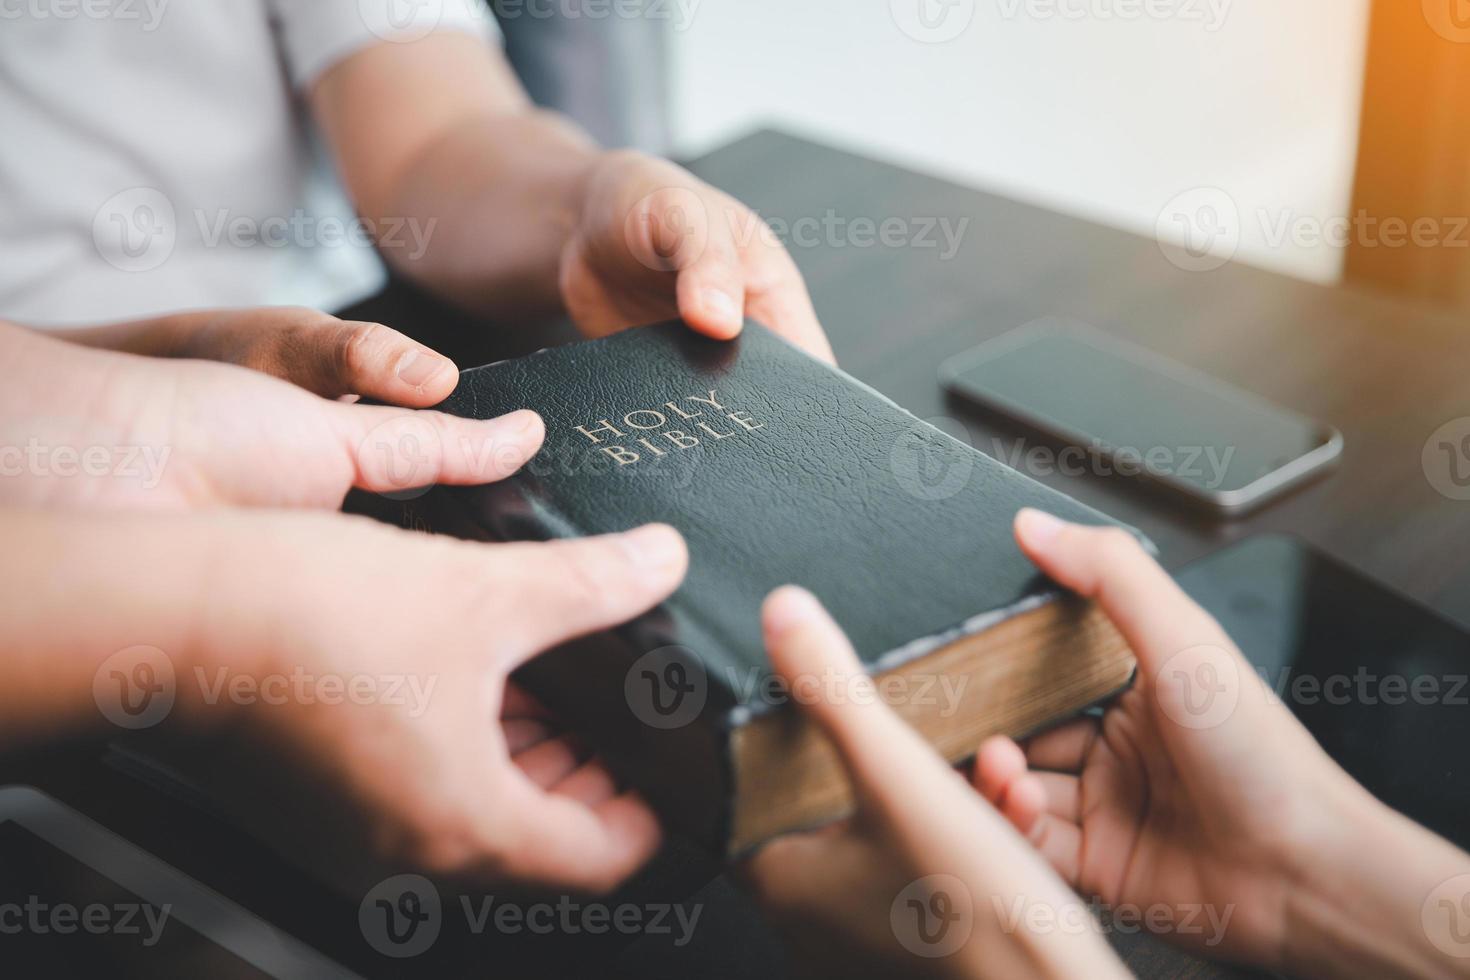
(1135, 413)
(1380, 680)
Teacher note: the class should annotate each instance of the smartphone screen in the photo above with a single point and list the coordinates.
(1150, 416)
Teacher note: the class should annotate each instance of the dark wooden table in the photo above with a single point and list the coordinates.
(1386, 373)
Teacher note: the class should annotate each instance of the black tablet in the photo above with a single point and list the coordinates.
(1381, 681)
(77, 900)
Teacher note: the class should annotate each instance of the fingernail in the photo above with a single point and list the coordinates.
(1038, 528)
(653, 546)
(790, 607)
(721, 306)
(418, 367)
(521, 422)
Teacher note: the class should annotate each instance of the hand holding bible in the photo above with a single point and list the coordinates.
(1201, 794)
(925, 874)
(313, 350)
(448, 768)
(168, 435)
(654, 242)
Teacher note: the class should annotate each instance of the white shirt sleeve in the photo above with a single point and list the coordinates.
(317, 34)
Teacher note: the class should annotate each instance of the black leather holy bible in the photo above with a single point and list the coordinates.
(777, 469)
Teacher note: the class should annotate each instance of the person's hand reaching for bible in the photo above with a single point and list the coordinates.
(342, 687)
(1199, 793)
(925, 878)
(125, 431)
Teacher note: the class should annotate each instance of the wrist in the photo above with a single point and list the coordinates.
(162, 336)
(111, 617)
(251, 583)
(1042, 930)
(1356, 903)
(172, 335)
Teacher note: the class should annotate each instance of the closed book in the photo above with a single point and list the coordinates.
(777, 469)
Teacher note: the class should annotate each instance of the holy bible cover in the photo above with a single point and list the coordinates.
(777, 469)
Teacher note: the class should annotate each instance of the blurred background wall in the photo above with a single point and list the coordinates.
(1095, 107)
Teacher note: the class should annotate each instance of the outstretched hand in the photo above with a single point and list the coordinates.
(399, 718)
